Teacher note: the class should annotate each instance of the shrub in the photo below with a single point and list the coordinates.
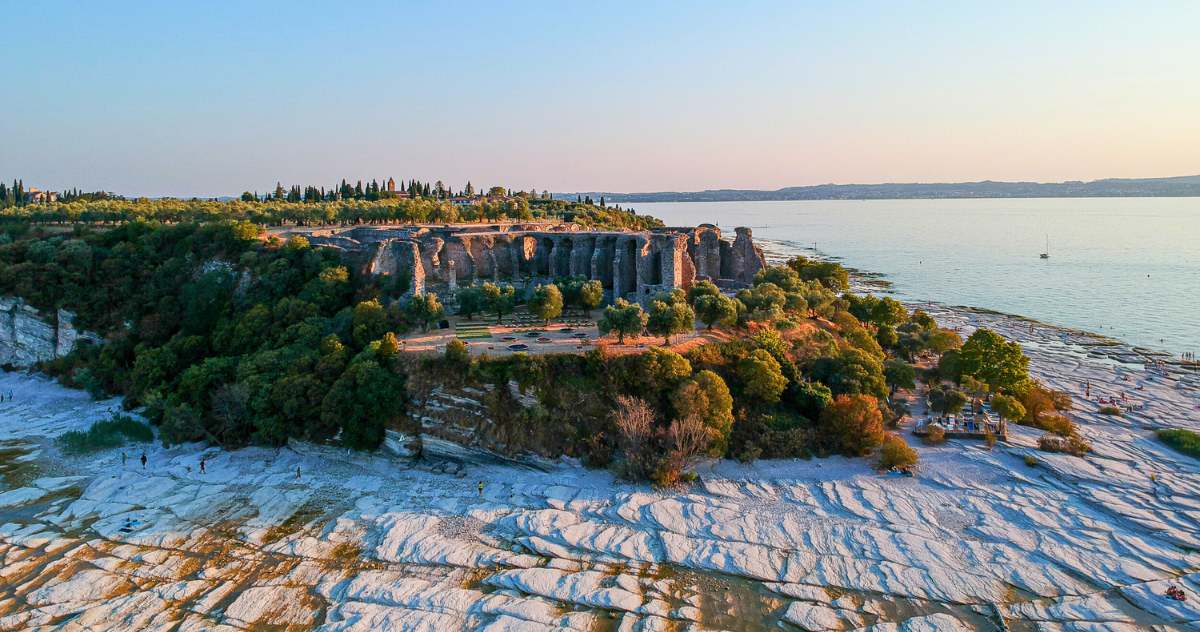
(1056, 424)
(762, 376)
(1067, 445)
(105, 434)
(852, 425)
(457, 354)
(935, 435)
(895, 453)
(1185, 441)
(1110, 410)
(1031, 460)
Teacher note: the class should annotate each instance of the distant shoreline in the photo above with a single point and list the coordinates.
(621, 200)
(1180, 186)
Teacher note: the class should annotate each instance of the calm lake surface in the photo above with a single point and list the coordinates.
(1128, 268)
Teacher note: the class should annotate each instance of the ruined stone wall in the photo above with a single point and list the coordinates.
(400, 257)
(630, 265)
(747, 259)
(27, 336)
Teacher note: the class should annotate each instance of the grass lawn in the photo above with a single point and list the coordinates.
(473, 332)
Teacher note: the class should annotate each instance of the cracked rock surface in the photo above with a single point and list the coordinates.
(376, 542)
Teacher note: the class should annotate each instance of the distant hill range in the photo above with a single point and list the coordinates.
(1182, 186)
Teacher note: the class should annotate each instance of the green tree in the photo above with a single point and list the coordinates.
(764, 301)
(591, 294)
(851, 371)
(783, 277)
(829, 274)
(808, 398)
(623, 317)
(895, 453)
(716, 309)
(667, 320)
(424, 310)
(362, 402)
(988, 357)
(888, 312)
(852, 424)
(761, 376)
(899, 374)
(659, 370)
(457, 354)
(499, 299)
(887, 337)
(370, 321)
(1008, 407)
(946, 400)
(546, 302)
(942, 340)
(702, 288)
(471, 301)
(706, 397)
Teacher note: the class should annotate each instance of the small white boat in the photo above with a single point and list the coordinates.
(1046, 253)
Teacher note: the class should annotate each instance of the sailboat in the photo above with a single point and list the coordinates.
(1046, 253)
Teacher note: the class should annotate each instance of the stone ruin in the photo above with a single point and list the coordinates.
(635, 265)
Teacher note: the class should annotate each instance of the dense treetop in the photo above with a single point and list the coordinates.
(343, 212)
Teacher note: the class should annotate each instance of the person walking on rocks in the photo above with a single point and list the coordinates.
(124, 459)
(201, 465)
(143, 459)
(481, 489)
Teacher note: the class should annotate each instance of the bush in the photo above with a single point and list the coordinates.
(1067, 445)
(1031, 460)
(1185, 441)
(106, 434)
(1110, 410)
(935, 435)
(895, 453)
(852, 425)
(1056, 424)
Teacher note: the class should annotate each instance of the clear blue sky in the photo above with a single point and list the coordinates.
(191, 98)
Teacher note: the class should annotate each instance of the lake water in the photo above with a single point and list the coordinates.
(1128, 268)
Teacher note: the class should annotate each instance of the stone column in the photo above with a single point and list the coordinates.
(618, 282)
(747, 259)
(674, 249)
(708, 253)
(553, 268)
(643, 262)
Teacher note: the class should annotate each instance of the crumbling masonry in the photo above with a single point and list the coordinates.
(631, 265)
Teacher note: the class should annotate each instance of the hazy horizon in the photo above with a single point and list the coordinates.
(211, 100)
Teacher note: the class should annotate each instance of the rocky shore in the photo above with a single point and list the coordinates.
(311, 536)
